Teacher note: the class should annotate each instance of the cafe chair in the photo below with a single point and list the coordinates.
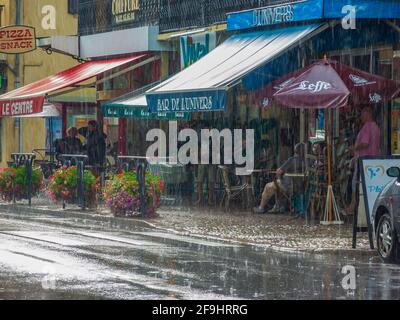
(234, 188)
(316, 186)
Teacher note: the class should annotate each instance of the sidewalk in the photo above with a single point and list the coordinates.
(279, 232)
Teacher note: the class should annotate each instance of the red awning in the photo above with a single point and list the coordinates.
(30, 98)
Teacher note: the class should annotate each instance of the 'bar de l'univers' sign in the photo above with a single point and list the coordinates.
(193, 101)
(272, 15)
(17, 39)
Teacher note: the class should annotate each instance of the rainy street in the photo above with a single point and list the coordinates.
(48, 257)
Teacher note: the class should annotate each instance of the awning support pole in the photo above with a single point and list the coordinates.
(331, 206)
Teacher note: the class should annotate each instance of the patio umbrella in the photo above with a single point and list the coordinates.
(328, 84)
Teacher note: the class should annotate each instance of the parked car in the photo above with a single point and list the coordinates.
(386, 218)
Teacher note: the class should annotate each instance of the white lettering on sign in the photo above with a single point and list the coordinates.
(185, 104)
(125, 10)
(17, 108)
(375, 97)
(359, 81)
(268, 16)
(314, 87)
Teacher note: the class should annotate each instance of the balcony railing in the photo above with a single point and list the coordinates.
(184, 14)
(97, 16)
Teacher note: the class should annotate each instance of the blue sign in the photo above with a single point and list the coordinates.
(197, 101)
(272, 15)
(195, 47)
(120, 111)
(364, 9)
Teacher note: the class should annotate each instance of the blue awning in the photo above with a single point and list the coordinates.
(136, 107)
(203, 85)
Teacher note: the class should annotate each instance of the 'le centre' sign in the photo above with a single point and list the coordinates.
(17, 39)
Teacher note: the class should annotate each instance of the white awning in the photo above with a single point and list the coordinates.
(203, 85)
(138, 101)
(49, 111)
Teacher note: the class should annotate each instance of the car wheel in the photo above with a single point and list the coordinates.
(386, 239)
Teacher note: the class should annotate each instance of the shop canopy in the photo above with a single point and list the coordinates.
(136, 107)
(203, 85)
(50, 110)
(30, 98)
(328, 84)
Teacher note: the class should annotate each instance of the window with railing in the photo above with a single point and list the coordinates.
(96, 16)
(184, 14)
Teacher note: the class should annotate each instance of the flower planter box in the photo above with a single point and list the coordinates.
(64, 184)
(14, 183)
(122, 196)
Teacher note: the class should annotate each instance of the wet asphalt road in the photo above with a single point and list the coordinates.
(47, 257)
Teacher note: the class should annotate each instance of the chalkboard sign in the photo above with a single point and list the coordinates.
(374, 179)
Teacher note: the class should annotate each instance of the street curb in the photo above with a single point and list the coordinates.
(24, 209)
(360, 252)
(135, 222)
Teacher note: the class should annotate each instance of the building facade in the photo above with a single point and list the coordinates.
(49, 18)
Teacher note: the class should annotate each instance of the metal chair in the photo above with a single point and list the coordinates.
(316, 186)
(232, 191)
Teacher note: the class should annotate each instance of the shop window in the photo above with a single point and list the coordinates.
(73, 6)
(362, 62)
(316, 125)
(118, 83)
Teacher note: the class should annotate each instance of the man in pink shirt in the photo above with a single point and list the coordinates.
(368, 143)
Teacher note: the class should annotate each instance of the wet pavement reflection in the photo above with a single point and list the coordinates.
(46, 257)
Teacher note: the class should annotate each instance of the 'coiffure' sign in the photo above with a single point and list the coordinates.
(272, 15)
(17, 39)
(124, 10)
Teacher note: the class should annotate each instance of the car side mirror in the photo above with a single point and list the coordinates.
(394, 172)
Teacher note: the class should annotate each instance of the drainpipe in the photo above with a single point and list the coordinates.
(17, 83)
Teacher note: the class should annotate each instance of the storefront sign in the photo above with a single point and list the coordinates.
(272, 15)
(124, 10)
(375, 178)
(195, 47)
(141, 113)
(21, 107)
(312, 10)
(17, 39)
(373, 9)
(187, 101)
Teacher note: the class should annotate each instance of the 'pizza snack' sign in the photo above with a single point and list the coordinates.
(17, 39)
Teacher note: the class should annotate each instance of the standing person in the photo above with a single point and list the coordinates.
(206, 171)
(368, 143)
(96, 145)
(72, 144)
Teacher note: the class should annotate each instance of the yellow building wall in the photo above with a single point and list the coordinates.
(34, 66)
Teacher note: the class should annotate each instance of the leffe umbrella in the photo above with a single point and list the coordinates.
(328, 84)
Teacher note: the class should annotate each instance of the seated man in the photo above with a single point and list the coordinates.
(282, 183)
